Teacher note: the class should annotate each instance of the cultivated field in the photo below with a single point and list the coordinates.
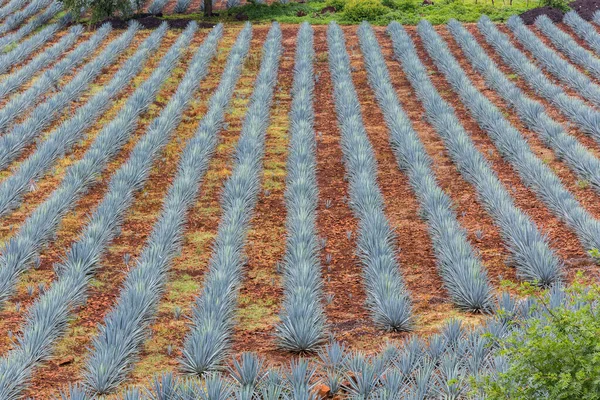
(172, 198)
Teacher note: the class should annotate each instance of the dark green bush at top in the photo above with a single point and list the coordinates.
(554, 356)
(364, 10)
(337, 4)
(403, 5)
(102, 9)
(560, 4)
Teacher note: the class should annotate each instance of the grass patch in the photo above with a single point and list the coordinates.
(255, 313)
(408, 12)
(183, 285)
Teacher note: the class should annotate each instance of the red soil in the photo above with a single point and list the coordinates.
(349, 321)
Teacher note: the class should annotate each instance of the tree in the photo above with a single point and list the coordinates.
(208, 8)
(554, 355)
(100, 9)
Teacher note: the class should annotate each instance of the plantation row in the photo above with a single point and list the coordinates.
(445, 366)
(20, 18)
(50, 71)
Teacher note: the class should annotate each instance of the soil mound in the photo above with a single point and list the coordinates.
(554, 14)
(585, 8)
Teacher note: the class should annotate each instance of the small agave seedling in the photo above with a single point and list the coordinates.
(329, 298)
(177, 311)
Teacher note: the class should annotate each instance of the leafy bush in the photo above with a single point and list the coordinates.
(337, 4)
(364, 10)
(560, 4)
(403, 5)
(102, 9)
(555, 355)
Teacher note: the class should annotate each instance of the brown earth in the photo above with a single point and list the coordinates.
(260, 296)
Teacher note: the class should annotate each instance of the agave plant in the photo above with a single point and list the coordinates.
(248, 374)
(20, 135)
(27, 47)
(583, 29)
(181, 6)
(70, 132)
(568, 46)
(16, 79)
(444, 366)
(50, 312)
(387, 297)
(582, 161)
(40, 227)
(207, 343)
(302, 323)
(32, 25)
(17, 18)
(529, 248)
(460, 268)
(157, 6)
(511, 144)
(118, 344)
(587, 118)
(11, 6)
(553, 63)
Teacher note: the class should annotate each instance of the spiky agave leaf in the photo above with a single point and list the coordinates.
(460, 268)
(17, 78)
(560, 68)
(247, 373)
(514, 148)
(302, 323)
(300, 379)
(48, 80)
(31, 25)
(41, 225)
(207, 343)
(586, 117)
(50, 313)
(387, 296)
(60, 140)
(119, 342)
(528, 246)
(17, 18)
(583, 29)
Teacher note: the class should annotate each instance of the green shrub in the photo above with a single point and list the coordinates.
(560, 4)
(364, 10)
(406, 6)
(102, 9)
(556, 356)
(337, 4)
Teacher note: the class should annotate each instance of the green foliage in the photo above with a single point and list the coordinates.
(364, 10)
(102, 9)
(595, 254)
(560, 4)
(408, 12)
(406, 6)
(555, 356)
(337, 4)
